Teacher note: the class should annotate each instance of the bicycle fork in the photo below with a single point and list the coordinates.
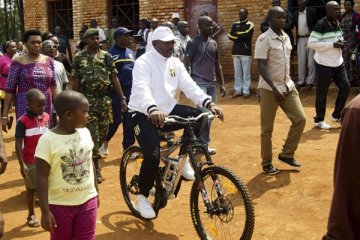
(210, 209)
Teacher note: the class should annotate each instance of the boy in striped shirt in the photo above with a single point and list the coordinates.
(29, 129)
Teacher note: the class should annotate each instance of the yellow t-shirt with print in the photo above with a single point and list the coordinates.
(71, 177)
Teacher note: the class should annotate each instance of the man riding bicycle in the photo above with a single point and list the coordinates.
(156, 77)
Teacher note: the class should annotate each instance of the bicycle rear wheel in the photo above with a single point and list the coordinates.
(232, 214)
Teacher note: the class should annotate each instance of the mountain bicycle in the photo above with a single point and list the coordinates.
(220, 204)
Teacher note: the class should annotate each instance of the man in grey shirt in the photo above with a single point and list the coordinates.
(202, 60)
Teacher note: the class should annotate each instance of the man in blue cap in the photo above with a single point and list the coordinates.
(124, 59)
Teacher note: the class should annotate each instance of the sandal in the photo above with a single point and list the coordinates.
(32, 221)
(99, 178)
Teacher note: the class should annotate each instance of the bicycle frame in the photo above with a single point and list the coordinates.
(187, 144)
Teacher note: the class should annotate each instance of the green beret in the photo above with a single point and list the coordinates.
(91, 32)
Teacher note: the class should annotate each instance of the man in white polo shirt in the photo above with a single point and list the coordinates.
(156, 77)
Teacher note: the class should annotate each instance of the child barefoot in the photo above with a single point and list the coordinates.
(65, 175)
(29, 129)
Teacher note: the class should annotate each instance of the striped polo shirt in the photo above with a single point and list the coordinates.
(30, 128)
(322, 39)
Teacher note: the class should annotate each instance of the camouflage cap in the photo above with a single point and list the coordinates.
(91, 32)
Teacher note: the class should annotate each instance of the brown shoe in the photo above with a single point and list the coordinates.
(298, 86)
(237, 94)
(246, 96)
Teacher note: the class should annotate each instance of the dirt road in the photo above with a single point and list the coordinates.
(292, 205)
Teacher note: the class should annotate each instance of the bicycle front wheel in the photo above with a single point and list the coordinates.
(231, 215)
(130, 164)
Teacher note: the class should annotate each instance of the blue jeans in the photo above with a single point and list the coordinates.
(209, 89)
(242, 66)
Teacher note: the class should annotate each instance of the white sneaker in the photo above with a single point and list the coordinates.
(188, 172)
(212, 151)
(322, 125)
(144, 207)
(103, 151)
(337, 120)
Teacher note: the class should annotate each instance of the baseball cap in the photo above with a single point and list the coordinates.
(121, 30)
(163, 34)
(175, 15)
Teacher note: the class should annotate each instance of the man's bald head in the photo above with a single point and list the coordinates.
(331, 4)
(275, 11)
(203, 20)
(183, 28)
(205, 26)
(332, 10)
(182, 24)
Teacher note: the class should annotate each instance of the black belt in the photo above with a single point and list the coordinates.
(305, 36)
(4, 75)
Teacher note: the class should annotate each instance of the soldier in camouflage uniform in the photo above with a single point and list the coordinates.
(94, 74)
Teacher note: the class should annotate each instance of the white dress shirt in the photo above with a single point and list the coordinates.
(102, 35)
(303, 29)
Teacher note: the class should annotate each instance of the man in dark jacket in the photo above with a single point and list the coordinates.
(305, 20)
(289, 24)
(241, 33)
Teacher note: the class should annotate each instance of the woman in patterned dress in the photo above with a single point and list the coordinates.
(30, 70)
(348, 28)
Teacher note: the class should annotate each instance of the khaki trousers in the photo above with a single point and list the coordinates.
(294, 111)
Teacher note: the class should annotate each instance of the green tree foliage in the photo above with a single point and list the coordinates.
(11, 20)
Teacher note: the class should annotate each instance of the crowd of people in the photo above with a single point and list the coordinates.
(83, 100)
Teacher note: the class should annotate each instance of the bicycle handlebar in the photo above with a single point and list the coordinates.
(181, 120)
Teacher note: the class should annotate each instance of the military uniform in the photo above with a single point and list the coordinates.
(93, 74)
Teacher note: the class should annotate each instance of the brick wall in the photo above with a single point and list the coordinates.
(227, 13)
(161, 9)
(35, 14)
(84, 11)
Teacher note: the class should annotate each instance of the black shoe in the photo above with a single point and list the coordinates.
(270, 169)
(290, 161)
(99, 178)
(309, 86)
(298, 86)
